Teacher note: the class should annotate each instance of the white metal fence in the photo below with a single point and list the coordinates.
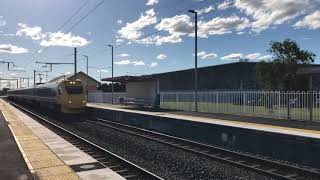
(105, 97)
(271, 104)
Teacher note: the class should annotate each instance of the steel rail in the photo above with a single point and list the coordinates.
(264, 166)
(123, 167)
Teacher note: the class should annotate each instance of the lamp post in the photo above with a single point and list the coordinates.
(111, 73)
(195, 59)
(75, 63)
(87, 59)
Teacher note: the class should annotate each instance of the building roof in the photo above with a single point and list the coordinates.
(125, 79)
(70, 76)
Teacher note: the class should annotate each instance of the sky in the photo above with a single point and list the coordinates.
(149, 36)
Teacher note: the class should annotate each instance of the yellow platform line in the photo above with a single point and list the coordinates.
(41, 161)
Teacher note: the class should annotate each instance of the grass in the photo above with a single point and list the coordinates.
(258, 111)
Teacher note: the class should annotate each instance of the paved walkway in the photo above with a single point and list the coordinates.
(12, 164)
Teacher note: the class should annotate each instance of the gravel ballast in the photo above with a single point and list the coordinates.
(167, 162)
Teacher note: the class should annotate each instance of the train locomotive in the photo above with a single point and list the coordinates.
(66, 96)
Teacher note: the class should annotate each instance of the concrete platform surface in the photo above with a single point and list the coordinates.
(49, 156)
(12, 164)
(295, 128)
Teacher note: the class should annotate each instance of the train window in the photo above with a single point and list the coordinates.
(74, 89)
(59, 90)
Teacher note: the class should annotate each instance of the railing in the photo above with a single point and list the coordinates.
(105, 97)
(270, 104)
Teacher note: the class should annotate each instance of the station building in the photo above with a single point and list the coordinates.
(87, 81)
(232, 76)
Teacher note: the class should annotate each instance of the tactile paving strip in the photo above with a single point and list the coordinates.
(42, 162)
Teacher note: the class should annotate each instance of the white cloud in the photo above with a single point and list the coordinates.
(209, 56)
(205, 10)
(161, 56)
(67, 73)
(272, 12)
(9, 35)
(253, 56)
(153, 64)
(129, 62)
(119, 21)
(2, 21)
(152, 2)
(224, 5)
(18, 68)
(222, 25)
(51, 39)
(203, 55)
(132, 30)
(233, 56)
(173, 38)
(123, 55)
(311, 21)
(176, 27)
(138, 63)
(119, 41)
(181, 25)
(122, 62)
(265, 58)
(61, 39)
(35, 33)
(102, 70)
(9, 48)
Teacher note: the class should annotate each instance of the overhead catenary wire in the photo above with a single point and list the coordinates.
(68, 20)
(152, 33)
(173, 14)
(78, 22)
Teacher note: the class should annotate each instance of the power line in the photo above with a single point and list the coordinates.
(147, 35)
(74, 14)
(67, 21)
(78, 22)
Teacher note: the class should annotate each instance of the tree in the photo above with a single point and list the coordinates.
(280, 73)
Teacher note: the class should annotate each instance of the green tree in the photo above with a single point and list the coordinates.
(280, 73)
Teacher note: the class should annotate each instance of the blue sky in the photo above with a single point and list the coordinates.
(29, 32)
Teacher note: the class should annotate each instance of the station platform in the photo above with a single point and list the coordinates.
(296, 128)
(292, 141)
(43, 155)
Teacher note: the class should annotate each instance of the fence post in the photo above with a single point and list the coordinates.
(244, 102)
(217, 101)
(310, 98)
(288, 106)
(176, 100)
(279, 104)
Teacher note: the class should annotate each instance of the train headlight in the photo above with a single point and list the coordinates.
(69, 102)
(84, 101)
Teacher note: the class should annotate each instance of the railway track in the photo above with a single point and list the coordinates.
(108, 159)
(268, 167)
